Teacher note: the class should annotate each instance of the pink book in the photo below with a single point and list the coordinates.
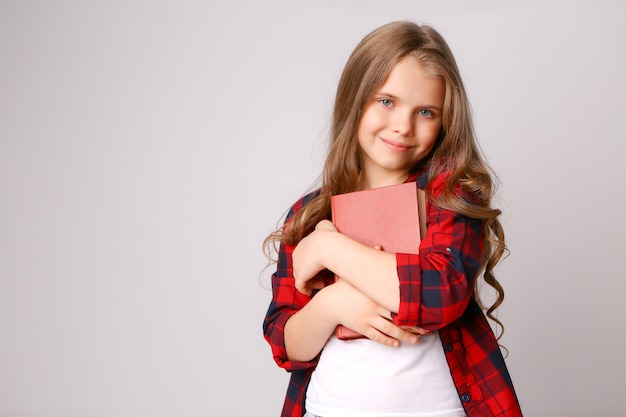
(393, 217)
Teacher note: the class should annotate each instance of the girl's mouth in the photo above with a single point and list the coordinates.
(395, 146)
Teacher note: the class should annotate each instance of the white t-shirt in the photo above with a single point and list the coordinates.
(362, 378)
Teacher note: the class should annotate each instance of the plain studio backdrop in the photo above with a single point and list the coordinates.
(148, 147)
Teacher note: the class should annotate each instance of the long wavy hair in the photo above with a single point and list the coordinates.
(456, 153)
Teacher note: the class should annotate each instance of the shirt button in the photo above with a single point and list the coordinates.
(447, 348)
(465, 398)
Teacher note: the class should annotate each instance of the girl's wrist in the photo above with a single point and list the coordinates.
(325, 247)
(331, 248)
(329, 299)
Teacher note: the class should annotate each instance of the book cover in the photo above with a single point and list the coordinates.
(392, 217)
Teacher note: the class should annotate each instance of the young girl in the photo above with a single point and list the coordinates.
(401, 115)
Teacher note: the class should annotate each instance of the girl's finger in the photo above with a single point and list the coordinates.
(382, 312)
(390, 330)
(379, 337)
(416, 330)
(325, 225)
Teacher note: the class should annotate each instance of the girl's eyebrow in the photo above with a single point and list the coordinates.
(382, 93)
(393, 97)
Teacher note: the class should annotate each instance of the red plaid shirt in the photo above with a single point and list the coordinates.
(436, 293)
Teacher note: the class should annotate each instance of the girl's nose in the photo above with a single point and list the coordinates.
(403, 124)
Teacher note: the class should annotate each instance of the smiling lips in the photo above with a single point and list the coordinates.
(396, 146)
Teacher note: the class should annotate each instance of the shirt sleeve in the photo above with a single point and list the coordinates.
(437, 284)
(286, 301)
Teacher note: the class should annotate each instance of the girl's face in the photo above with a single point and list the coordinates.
(400, 124)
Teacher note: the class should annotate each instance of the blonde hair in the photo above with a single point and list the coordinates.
(455, 155)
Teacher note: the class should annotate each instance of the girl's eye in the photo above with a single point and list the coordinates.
(426, 113)
(385, 102)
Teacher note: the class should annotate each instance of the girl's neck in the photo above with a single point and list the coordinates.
(368, 182)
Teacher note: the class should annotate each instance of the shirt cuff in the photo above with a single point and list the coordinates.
(410, 294)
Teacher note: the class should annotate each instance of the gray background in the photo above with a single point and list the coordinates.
(148, 147)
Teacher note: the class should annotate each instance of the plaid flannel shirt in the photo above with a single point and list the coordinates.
(436, 293)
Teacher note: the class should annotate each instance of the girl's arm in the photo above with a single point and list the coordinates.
(372, 271)
(437, 284)
(428, 290)
(286, 302)
(298, 325)
(307, 331)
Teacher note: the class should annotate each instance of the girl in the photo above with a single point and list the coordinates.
(401, 114)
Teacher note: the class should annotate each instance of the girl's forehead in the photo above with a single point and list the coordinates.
(412, 64)
(409, 81)
(408, 69)
(421, 66)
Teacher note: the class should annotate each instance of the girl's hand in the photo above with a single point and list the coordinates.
(307, 260)
(358, 312)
